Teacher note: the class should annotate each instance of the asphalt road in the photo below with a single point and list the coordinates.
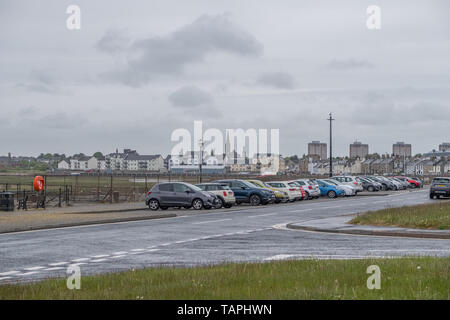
(252, 234)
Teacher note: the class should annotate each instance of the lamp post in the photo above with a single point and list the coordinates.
(331, 143)
(200, 164)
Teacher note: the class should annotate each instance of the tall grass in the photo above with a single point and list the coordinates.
(426, 216)
(401, 278)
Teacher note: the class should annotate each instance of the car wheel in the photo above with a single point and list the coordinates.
(153, 204)
(197, 204)
(331, 194)
(431, 196)
(227, 205)
(219, 203)
(370, 188)
(255, 200)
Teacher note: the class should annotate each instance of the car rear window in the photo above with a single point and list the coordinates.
(166, 187)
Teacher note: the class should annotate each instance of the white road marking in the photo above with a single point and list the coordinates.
(212, 221)
(301, 210)
(263, 215)
(98, 260)
(81, 259)
(58, 263)
(28, 273)
(321, 256)
(119, 256)
(120, 253)
(54, 269)
(34, 268)
(79, 264)
(4, 278)
(100, 256)
(9, 273)
(137, 250)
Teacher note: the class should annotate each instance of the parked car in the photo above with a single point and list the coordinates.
(178, 194)
(280, 196)
(369, 185)
(331, 190)
(418, 182)
(375, 182)
(384, 184)
(296, 184)
(246, 192)
(225, 196)
(398, 185)
(292, 192)
(440, 187)
(311, 188)
(351, 181)
(349, 190)
(406, 180)
(404, 183)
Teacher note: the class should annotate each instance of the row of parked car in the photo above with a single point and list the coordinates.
(377, 183)
(229, 192)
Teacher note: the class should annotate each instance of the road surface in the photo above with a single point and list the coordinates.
(253, 234)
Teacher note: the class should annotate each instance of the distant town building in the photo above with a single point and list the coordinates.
(317, 148)
(402, 149)
(444, 147)
(64, 165)
(358, 150)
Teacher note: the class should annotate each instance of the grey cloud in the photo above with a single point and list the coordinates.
(190, 96)
(195, 102)
(349, 64)
(43, 82)
(113, 41)
(170, 54)
(376, 109)
(279, 80)
(60, 120)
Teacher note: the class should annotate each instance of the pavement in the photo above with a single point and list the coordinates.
(247, 234)
(341, 225)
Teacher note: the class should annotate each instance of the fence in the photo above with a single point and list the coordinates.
(96, 187)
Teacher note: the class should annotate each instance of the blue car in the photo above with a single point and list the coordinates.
(329, 190)
(246, 192)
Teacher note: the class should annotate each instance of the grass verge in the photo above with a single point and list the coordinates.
(401, 278)
(426, 216)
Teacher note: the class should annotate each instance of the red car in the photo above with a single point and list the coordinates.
(413, 183)
(304, 196)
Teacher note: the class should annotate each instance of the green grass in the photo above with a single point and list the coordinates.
(426, 216)
(401, 278)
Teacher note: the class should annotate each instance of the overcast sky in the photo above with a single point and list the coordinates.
(137, 70)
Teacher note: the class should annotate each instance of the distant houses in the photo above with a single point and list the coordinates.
(128, 160)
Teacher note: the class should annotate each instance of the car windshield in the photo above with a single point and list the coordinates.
(331, 182)
(195, 188)
(441, 180)
(248, 184)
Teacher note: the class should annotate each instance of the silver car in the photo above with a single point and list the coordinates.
(350, 181)
(311, 188)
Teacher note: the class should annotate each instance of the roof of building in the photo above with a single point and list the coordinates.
(133, 156)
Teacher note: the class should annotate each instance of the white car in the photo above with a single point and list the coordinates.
(349, 190)
(351, 181)
(311, 188)
(292, 192)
